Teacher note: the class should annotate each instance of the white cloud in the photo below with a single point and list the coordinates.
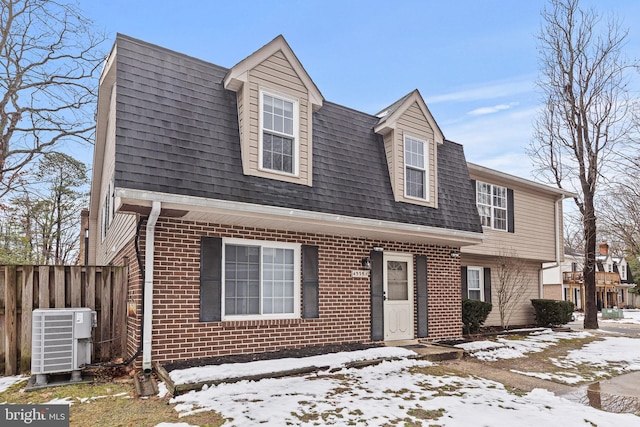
(489, 90)
(490, 110)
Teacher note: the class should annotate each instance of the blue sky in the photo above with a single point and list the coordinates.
(474, 62)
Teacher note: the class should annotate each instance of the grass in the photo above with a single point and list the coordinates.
(109, 404)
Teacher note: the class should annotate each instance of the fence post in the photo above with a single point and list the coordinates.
(11, 320)
(43, 291)
(59, 286)
(27, 312)
(105, 312)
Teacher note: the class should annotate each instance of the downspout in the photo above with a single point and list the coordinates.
(148, 286)
(558, 248)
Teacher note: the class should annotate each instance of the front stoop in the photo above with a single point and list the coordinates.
(429, 351)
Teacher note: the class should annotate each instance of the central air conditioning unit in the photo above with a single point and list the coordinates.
(61, 341)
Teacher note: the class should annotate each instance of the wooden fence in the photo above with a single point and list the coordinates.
(24, 288)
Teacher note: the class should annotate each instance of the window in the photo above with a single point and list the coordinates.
(415, 160)
(108, 210)
(261, 279)
(279, 140)
(475, 285)
(492, 205)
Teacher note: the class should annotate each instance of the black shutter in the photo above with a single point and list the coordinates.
(510, 216)
(377, 296)
(421, 284)
(310, 282)
(210, 279)
(487, 284)
(463, 280)
(475, 191)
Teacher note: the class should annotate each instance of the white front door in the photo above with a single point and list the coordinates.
(398, 297)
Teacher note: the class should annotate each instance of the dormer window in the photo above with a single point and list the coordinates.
(279, 140)
(415, 160)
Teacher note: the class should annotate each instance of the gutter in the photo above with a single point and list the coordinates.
(148, 286)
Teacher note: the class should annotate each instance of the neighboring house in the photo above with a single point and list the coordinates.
(613, 279)
(522, 224)
(265, 217)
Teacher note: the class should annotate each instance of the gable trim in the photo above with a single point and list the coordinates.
(238, 74)
(388, 122)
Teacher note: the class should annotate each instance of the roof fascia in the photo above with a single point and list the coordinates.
(289, 216)
(238, 74)
(522, 181)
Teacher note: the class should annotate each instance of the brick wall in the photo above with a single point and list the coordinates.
(343, 301)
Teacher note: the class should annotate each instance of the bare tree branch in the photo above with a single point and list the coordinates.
(584, 79)
(49, 61)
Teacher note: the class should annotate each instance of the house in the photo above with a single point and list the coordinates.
(522, 225)
(255, 215)
(613, 279)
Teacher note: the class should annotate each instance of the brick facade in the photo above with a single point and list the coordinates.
(344, 301)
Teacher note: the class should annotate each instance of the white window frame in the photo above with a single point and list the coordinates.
(296, 278)
(492, 206)
(424, 168)
(295, 135)
(480, 271)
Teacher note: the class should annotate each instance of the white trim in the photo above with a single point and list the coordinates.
(296, 247)
(425, 168)
(480, 271)
(492, 207)
(291, 217)
(296, 130)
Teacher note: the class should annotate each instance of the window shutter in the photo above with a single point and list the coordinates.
(463, 280)
(510, 216)
(310, 282)
(475, 192)
(421, 284)
(377, 296)
(487, 284)
(210, 279)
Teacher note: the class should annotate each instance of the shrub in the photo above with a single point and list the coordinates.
(550, 312)
(474, 314)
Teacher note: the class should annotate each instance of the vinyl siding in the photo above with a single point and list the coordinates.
(276, 74)
(535, 229)
(523, 312)
(412, 123)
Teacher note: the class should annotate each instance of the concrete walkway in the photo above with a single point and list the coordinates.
(508, 378)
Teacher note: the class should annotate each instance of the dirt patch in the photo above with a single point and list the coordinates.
(270, 355)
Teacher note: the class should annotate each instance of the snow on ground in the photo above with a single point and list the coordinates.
(263, 367)
(631, 316)
(401, 392)
(517, 346)
(6, 382)
(391, 393)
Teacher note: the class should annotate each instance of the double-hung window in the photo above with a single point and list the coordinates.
(261, 279)
(492, 205)
(415, 160)
(279, 133)
(475, 285)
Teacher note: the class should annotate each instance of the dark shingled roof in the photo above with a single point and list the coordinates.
(177, 132)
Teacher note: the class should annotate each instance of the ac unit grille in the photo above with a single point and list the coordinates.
(52, 346)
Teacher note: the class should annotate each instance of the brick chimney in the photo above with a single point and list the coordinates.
(84, 227)
(604, 248)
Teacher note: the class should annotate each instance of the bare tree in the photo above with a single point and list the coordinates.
(512, 284)
(584, 78)
(620, 211)
(49, 60)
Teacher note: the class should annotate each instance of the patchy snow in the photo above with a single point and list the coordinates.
(6, 382)
(263, 367)
(620, 351)
(631, 316)
(391, 393)
(517, 346)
